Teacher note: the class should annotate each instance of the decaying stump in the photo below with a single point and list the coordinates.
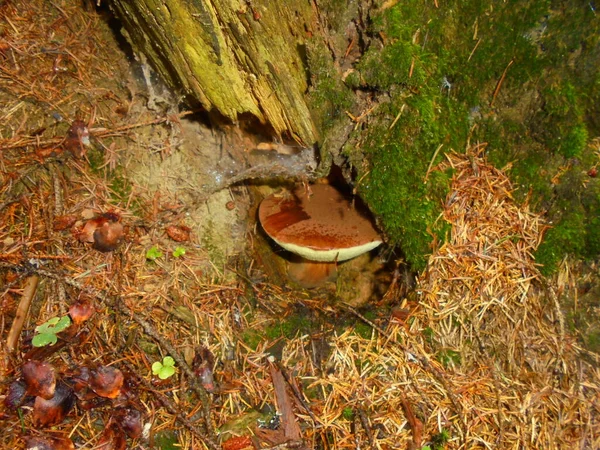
(234, 57)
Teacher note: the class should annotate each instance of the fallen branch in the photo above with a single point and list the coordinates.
(22, 311)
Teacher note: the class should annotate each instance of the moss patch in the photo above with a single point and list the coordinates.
(520, 76)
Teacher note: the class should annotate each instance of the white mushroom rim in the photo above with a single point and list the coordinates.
(319, 224)
(337, 255)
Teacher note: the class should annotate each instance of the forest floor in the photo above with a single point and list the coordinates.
(181, 335)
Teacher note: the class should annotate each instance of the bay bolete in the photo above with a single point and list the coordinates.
(321, 225)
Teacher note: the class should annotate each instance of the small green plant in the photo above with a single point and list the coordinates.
(164, 369)
(439, 441)
(153, 253)
(46, 332)
(348, 413)
(448, 357)
(178, 252)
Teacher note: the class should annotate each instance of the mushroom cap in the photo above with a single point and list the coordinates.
(321, 225)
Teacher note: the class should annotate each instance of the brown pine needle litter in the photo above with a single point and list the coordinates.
(482, 360)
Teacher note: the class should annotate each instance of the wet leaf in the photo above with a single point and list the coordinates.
(106, 381)
(39, 378)
(77, 138)
(113, 438)
(203, 368)
(130, 421)
(81, 310)
(16, 394)
(108, 237)
(43, 443)
(53, 411)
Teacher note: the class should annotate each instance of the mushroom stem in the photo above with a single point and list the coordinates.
(310, 274)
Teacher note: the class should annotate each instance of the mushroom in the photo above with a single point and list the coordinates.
(321, 226)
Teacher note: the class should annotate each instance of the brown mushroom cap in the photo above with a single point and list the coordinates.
(321, 225)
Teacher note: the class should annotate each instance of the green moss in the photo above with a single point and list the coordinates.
(120, 186)
(328, 98)
(395, 186)
(251, 338)
(565, 237)
(348, 413)
(95, 157)
(289, 327)
(593, 341)
(520, 76)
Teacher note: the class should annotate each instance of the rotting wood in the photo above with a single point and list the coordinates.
(232, 57)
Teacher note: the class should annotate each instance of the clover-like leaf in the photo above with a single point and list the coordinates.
(178, 252)
(153, 253)
(43, 339)
(46, 332)
(164, 369)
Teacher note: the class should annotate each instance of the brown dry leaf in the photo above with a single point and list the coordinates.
(40, 379)
(179, 233)
(64, 222)
(238, 443)
(284, 405)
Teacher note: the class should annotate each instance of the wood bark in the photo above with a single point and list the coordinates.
(234, 56)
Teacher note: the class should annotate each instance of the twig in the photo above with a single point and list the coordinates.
(22, 310)
(415, 424)
(431, 162)
(500, 82)
(364, 421)
(296, 391)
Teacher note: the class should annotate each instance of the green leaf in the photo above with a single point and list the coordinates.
(46, 332)
(62, 324)
(168, 361)
(157, 367)
(43, 339)
(164, 369)
(166, 372)
(178, 252)
(153, 253)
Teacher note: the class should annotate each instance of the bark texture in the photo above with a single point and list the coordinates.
(234, 56)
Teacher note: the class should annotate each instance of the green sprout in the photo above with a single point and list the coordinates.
(178, 252)
(153, 253)
(46, 332)
(164, 369)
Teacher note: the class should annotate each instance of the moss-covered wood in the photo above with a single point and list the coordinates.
(392, 86)
(235, 57)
